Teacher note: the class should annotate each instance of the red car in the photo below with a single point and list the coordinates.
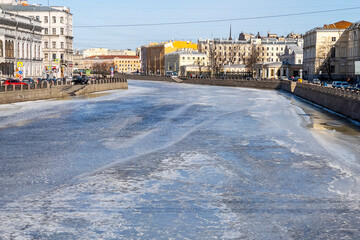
(14, 82)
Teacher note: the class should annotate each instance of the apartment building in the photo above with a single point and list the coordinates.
(153, 55)
(20, 46)
(57, 34)
(326, 50)
(175, 60)
(238, 51)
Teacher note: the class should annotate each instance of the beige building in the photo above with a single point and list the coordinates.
(121, 63)
(353, 50)
(326, 51)
(175, 60)
(127, 64)
(269, 48)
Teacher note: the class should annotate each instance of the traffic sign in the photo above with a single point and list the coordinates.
(20, 72)
(20, 64)
(17, 75)
(88, 72)
(20, 77)
(56, 60)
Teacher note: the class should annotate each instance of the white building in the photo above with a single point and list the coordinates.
(57, 35)
(292, 55)
(175, 60)
(105, 52)
(20, 46)
(325, 51)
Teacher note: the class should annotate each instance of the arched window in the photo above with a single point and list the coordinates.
(12, 46)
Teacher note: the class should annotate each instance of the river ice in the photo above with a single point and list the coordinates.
(177, 161)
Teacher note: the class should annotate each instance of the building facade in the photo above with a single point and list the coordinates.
(174, 60)
(20, 46)
(57, 36)
(238, 51)
(326, 50)
(353, 50)
(104, 51)
(120, 63)
(153, 55)
(127, 64)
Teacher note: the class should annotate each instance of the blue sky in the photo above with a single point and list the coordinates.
(105, 12)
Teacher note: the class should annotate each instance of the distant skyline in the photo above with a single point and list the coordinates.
(123, 12)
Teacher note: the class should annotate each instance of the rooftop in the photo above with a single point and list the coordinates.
(113, 57)
(338, 25)
(28, 8)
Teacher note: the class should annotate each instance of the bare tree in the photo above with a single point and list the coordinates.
(217, 60)
(254, 57)
(102, 69)
(326, 57)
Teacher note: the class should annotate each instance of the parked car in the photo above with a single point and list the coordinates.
(336, 84)
(345, 85)
(28, 80)
(316, 81)
(283, 78)
(14, 82)
(80, 80)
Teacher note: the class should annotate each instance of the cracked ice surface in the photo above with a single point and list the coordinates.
(169, 161)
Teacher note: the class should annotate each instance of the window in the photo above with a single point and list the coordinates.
(46, 19)
(46, 31)
(54, 31)
(53, 19)
(61, 19)
(62, 31)
(37, 18)
(332, 69)
(62, 45)
(54, 44)
(62, 57)
(333, 39)
(54, 56)
(46, 45)
(332, 52)
(46, 56)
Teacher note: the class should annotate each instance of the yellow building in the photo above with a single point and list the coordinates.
(153, 55)
(127, 64)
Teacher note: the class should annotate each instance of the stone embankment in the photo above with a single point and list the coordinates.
(344, 102)
(59, 89)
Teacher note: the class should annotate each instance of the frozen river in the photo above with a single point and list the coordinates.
(177, 161)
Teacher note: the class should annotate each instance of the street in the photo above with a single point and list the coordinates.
(178, 161)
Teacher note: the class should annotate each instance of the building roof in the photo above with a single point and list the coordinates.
(296, 49)
(186, 52)
(338, 25)
(113, 57)
(29, 8)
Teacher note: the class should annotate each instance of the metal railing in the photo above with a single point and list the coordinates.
(50, 84)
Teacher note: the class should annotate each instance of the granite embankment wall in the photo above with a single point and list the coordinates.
(346, 103)
(45, 90)
(263, 84)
